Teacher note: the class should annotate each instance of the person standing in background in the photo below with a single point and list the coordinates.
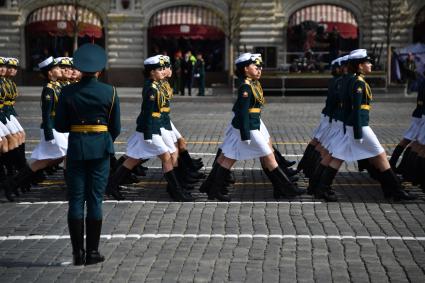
(178, 85)
(187, 67)
(199, 73)
(410, 73)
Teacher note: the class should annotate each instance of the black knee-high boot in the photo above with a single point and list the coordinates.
(312, 163)
(395, 155)
(410, 166)
(324, 189)
(276, 191)
(402, 167)
(182, 178)
(205, 187)
(76, 232)
(22, 179)
(93, 230)
(219, 151)
(315, 179)
(115, 180)
(218, 183)
(280, 158)
(422, 181)
(282, 183)
(175, 189)
(393, 185)
(305, 157)
(185, 157)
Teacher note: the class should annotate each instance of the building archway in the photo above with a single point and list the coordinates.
(419, 27)
(50, 31)
(188, 28)
(317, 34)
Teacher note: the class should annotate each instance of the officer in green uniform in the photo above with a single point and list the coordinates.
(89, 110)
(199, 73)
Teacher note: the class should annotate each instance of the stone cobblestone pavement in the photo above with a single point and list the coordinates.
(148, 238)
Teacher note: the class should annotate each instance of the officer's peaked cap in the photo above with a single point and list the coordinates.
(47, 64)
(90, 58)
(167, 60)
(64, 61)
(246, 59)
(12, 62)
(154, 62)
(359, 56)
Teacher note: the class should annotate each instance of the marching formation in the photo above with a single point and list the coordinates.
(344, 134)
(81, 120)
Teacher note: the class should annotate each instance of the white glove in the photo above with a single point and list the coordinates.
(148, 141)
(53, 141)
(248, 142)
(360, 141)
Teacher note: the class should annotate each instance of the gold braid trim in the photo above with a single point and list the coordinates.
(257, 91)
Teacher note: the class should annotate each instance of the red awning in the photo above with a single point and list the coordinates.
(64, 28)
(344, 30)
(187, 31)
(59, 20)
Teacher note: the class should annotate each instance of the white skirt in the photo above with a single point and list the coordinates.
(176, 132)
(169, 139)
(16, 123)
(323, 125)
(138, 148)
(350, 150)
(412, 132)
(234, 148)
(11, 127)
(264, 131)
(334, 135)
(46, 150)
(421, 131)
(4, 131)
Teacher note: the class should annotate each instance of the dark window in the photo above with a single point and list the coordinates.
(269, 55)
(3, 3)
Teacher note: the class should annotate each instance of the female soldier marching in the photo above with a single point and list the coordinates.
(147, 141)
(245, 139)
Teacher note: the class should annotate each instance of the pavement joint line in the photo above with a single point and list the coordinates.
(173, 202)
(220, 236)
(196, 153)
(219, 142)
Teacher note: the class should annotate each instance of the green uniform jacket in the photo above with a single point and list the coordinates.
(346, 93)
(10, 97)
(250, 96)
(167, 93)
(361, 97)
(336, 110)
(89, 102)
(49, 100)
(149, 120)
(330, 99)
(420, 107)
(2, 98)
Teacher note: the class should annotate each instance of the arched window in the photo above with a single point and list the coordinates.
(319, 34)
(50, 31)
(178, 29)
